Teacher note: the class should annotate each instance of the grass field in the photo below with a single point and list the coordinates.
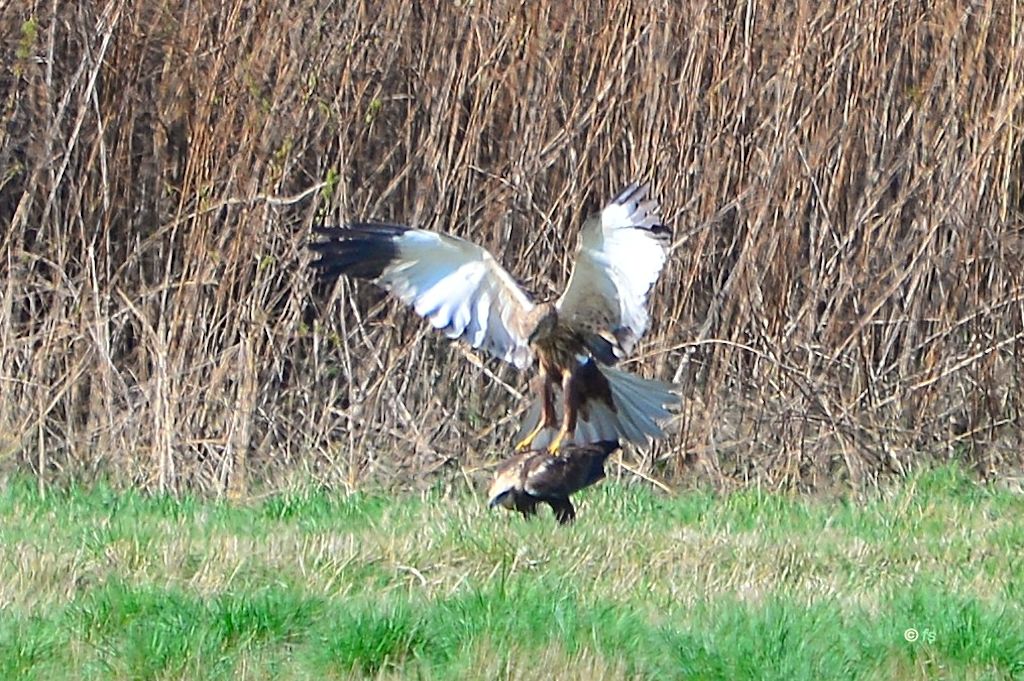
(102, 584)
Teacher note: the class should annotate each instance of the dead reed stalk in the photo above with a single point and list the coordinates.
(845, 299)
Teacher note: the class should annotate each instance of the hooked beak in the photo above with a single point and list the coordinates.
(498, 499)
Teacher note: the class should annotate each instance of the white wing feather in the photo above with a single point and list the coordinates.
(622, 250)
(459, 288)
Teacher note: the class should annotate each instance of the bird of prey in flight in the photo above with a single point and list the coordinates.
(530, 478)
(575, 340)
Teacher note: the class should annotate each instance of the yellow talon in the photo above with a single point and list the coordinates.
(525, 444)
(556, 444)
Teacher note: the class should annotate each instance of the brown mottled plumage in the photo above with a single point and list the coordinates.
(530, 478)
(460, 288)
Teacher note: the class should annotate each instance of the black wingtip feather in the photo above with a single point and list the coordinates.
(361, 250)
(662, 230)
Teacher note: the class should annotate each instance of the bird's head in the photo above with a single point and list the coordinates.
(545, 319)
(500, 495)
(502, 498)
(503, 489)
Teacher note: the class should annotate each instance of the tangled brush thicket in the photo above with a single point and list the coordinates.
(844, 180)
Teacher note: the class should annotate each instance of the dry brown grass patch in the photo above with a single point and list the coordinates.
(846, 297)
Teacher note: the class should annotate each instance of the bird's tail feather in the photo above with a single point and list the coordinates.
(641, 404)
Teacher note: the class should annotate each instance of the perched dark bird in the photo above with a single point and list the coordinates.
(530, 478)
(460, 288)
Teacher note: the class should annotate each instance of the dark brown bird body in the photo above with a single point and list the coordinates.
(561, 355)
(531, 478)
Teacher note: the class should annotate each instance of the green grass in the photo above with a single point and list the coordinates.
(102, 584)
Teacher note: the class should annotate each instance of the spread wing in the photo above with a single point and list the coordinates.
(456, 285)
(621, 252)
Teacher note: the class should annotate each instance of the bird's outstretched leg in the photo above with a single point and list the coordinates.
(529, 509)
(564, 511)
(547, 409)
(570, 410)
